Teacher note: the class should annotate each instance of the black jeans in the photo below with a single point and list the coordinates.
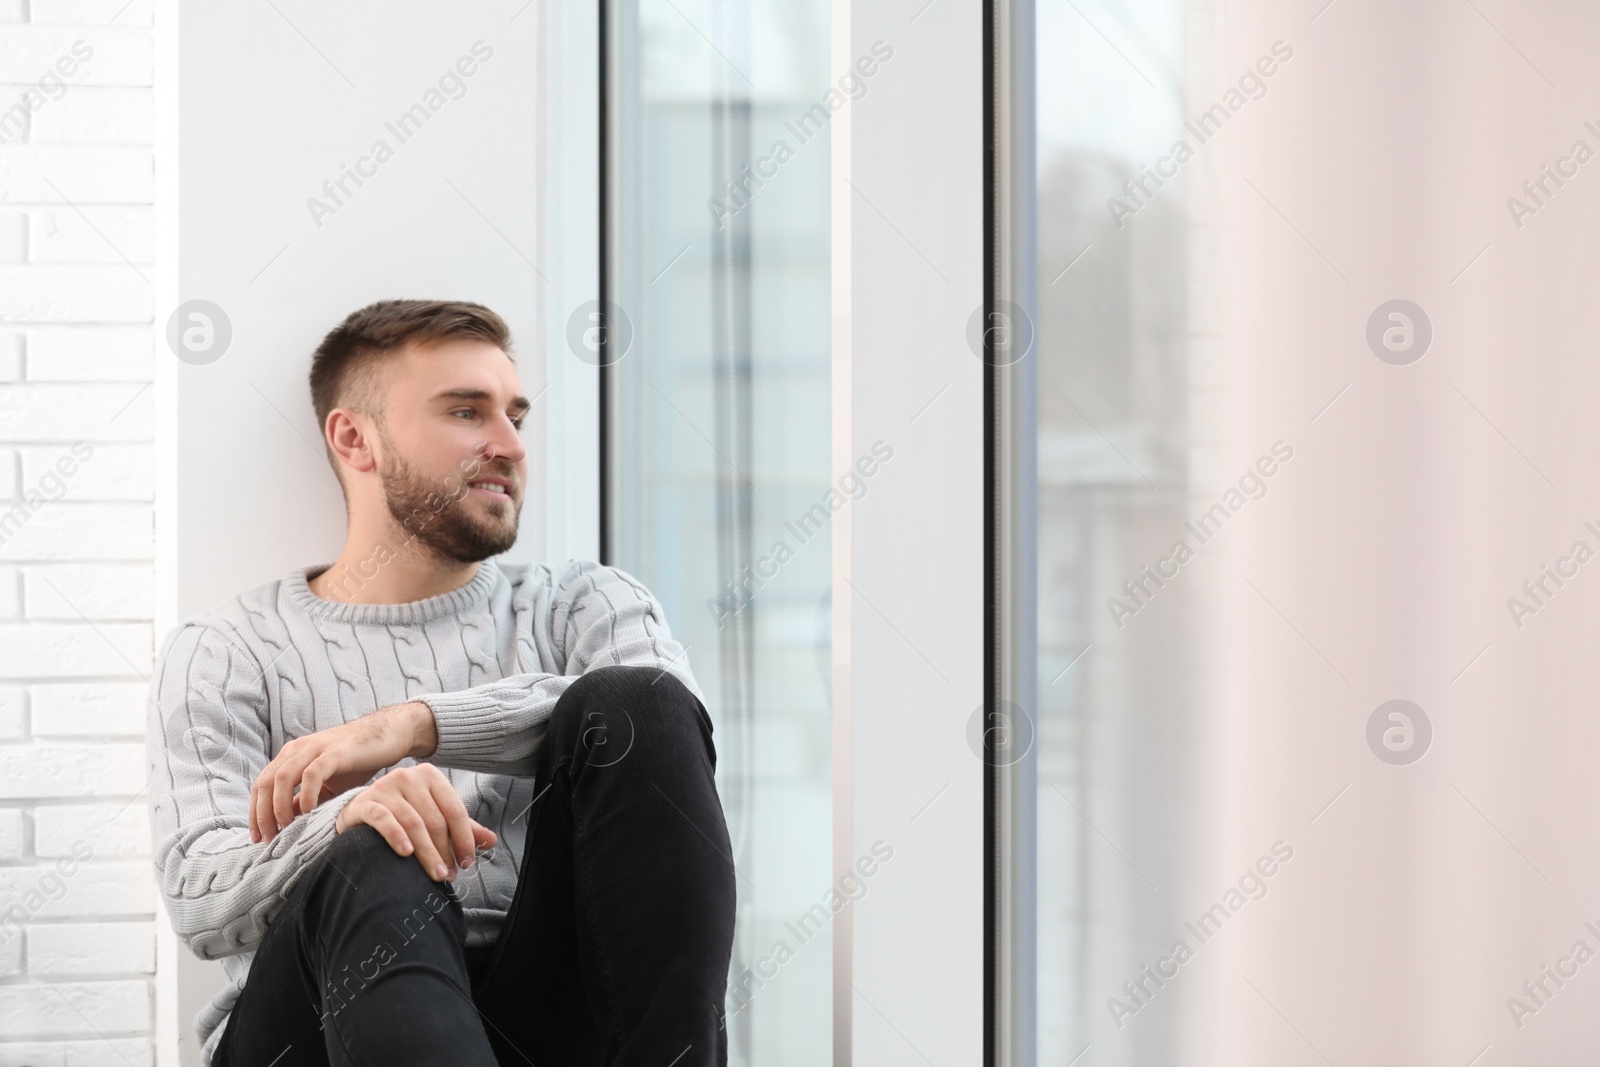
(616, 947)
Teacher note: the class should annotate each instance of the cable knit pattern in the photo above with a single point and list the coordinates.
(235, 683)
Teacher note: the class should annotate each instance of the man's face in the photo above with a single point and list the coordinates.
(454, 415)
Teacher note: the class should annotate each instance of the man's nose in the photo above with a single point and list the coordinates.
(503, 456)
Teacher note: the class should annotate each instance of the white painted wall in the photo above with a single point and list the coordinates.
(908, 558)
(454, 213)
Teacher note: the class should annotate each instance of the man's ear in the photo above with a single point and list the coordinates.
(351, 436)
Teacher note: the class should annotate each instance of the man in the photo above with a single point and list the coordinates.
(425, 806)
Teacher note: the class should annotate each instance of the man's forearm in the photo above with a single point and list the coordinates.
(424, 735)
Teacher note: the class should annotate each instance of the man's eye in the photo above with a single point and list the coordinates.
(517, 422)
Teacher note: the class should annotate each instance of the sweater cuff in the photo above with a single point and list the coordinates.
(467, 726)
(320, 821)
(494, 728)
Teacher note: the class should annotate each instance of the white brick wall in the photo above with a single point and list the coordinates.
(78, 910)
(76, 949)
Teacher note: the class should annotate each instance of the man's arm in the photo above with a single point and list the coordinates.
(599, 616)
(207, 739)
(602, 616)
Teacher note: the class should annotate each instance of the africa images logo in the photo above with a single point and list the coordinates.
(1252, 85)
(450, 85)
(1252, 885)
(1141, 589)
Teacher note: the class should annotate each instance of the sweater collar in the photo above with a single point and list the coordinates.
(474, 593)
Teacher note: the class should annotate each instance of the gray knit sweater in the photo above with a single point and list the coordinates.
(234, 683)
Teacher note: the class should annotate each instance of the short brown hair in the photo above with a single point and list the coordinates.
(343, 368)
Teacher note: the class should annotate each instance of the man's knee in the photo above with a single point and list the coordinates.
(360, 861)
(359, 848)
(632, 679)
(609, 711)
(360, 877)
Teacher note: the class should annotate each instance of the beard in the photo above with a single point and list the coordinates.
(454, 531)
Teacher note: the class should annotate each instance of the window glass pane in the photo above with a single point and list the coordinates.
(1313, 486)
(1113, 464)
(720, 446)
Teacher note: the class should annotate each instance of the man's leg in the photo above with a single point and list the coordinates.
(616, 947)
(364, 964)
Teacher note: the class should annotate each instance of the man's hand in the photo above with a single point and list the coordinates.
(418, 804)
(328, 762)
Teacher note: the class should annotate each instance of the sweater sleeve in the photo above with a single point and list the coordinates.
(598, 616)
(207, 740)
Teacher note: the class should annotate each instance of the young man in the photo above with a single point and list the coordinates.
(427, 807)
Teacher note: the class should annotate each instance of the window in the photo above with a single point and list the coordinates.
(717, 418)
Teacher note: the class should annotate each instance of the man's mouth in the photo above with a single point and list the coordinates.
(493, 489)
